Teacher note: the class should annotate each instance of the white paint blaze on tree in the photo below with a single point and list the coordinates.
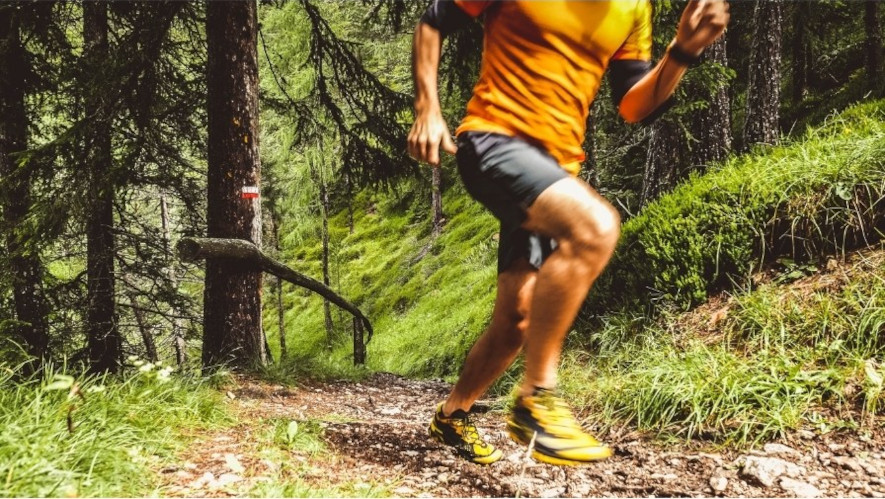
(232, 329)
(763, 93)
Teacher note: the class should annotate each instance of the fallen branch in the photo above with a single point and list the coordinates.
(192, 249)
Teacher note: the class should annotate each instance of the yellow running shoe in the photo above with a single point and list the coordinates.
(459, 432)
(558, 438)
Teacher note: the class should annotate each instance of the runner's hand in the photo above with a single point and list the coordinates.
(702, 22)
(428, 133)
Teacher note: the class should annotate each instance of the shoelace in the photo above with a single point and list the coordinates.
(468, 431)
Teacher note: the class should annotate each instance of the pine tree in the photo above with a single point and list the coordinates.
(711, 125)
(232, 331)
(103, 336)
(873, 32)
(23, 260)
(763, 93)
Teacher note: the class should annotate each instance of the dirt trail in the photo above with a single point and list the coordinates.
(376, 432)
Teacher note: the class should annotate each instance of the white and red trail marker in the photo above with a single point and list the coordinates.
(249, 192)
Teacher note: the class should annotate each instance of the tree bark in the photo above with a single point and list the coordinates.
(664, 159)
(327, 280)
(177, 327)
(436, 200)
(763, 93)
(232, 331)
(712, 126)
(281, 318)
(25, 267)
(873, 28)
(801, 49)
(104, 341)
(150, 347)
(590, 165)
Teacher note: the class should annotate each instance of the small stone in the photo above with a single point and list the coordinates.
(554, 492)
(233, 463)
(773, 448)
(401, 491)
(799, 488)
(227, 479)
(765, 470)
(664, 476)
(847, 463)
(718, 483)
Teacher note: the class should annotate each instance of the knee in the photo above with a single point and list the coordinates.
(596, 232)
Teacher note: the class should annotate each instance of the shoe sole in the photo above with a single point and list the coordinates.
(491, 458)
(602, 453)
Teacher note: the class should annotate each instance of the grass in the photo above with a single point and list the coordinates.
(785, 356)
(69, 436)
(304, 464)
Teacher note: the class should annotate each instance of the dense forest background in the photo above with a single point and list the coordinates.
(106, 151)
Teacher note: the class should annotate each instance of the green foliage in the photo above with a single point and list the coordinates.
(62, 435)
(818, 196)
(428, 298)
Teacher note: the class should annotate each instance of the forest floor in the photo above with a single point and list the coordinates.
(371, 439)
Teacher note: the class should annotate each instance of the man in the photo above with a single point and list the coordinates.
(518, 153)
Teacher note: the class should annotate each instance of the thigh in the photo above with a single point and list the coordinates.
(568, 207)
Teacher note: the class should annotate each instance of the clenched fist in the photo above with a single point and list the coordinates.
(428, 133)
(702, 22)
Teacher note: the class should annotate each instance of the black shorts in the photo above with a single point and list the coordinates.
(506, 174)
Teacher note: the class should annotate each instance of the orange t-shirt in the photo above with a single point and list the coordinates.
(542, 66)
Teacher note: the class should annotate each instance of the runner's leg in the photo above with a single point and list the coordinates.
(501, 342)
(586, 228)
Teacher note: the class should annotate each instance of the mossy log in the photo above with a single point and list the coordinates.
(243, 252)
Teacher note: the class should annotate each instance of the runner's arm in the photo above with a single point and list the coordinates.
(702, 22)
(429, 131)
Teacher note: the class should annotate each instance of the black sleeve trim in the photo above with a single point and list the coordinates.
(625, 73)
(445, 16)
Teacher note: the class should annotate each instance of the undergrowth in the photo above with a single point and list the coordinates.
(68, 436)
(780, 357)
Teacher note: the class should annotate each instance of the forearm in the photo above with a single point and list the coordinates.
(652, 90)
(426, 49)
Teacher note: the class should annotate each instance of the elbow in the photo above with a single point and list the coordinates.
(630, 115)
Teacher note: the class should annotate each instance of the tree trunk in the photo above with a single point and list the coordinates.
(590, 166)
(801, 48)
(327, 310)
(25, 268)
(150, 347)
(873, 28)
(177, 327)
(712, 126)
(763, 93)
(436, 200)
(105, 342)
(281, 318)
(663, 161)
(232, 331)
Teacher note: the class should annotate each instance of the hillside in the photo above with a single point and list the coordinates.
(765, 358)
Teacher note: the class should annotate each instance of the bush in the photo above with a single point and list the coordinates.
(818, 196)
